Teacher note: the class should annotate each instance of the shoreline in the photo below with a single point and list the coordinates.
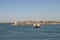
(32, 22)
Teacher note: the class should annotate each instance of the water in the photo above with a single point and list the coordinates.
(45, 32)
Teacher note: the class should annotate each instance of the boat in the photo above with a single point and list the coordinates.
(36, 25)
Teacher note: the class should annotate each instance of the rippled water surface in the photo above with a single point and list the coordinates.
(45, 32)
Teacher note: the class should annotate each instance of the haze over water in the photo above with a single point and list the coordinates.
(45, 32)
(29, 10)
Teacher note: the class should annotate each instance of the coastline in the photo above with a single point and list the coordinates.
(32, 22)
(35, 22)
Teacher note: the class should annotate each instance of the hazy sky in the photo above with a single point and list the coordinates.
(11, 10)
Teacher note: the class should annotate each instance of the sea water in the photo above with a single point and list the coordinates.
(45, 32)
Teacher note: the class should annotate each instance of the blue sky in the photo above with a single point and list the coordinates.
(36, 10)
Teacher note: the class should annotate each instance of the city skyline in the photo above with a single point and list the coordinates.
(29, 10)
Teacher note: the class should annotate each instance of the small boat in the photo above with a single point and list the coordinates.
(36, 25)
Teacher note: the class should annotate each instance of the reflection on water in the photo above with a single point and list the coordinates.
(45, 32)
